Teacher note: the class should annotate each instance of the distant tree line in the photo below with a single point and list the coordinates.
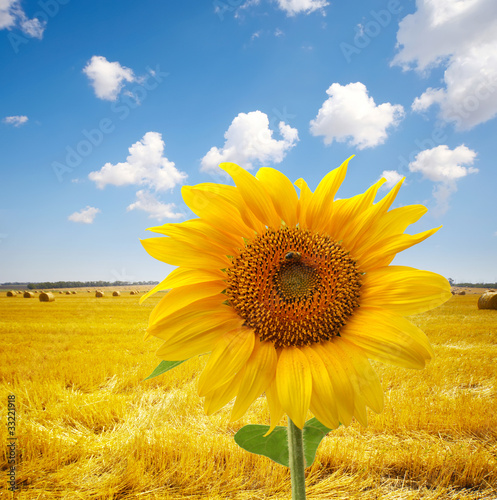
(472, 285)
(85, 284)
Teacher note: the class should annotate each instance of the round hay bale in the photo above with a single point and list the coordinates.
(116, 294)
(488, 301)
(73, 292)
(68, 293)
(132, 292)
(19, 292)
(89, 291)
(462, 293)
(490, 290)
(10, 293)
(98, 293)
(28, 295)
(46, 297)
(61, 291)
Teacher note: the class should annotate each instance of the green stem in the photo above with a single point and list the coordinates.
(297, 461)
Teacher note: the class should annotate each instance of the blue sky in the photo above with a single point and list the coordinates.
(108, 108)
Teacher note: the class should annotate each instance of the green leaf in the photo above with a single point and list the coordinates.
(314, 432)
(163, 367)
(275, 446)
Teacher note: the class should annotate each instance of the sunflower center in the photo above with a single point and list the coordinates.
(294, 287)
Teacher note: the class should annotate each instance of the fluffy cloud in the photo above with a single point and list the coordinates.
(144, 166)
(12, 16)
(444, 167)
(85, 215)
(350, 114)
(460, 36)
(392, 177)
(147, 202)
(249, 140)
(107, 78)
(293, 7)
(17, 121)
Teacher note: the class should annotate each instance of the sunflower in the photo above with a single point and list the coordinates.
(292, 294)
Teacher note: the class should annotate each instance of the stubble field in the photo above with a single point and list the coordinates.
(89, 427)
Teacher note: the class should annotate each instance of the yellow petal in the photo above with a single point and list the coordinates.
(275, 409)
(368, 383)
(323, 400)
(404, 290)
(294, 384)
(197, 338)
(200, 234)
(342, 387)
(254, 195)
(384, 251)
(221, 396)
(181, 277)
(182, 296)
(347, 212)
(233, 196)
(216, 210)
(320, 208)
(388, 337)
(228, 357)
(180, 253)
(282, 193)
(304, 199)
(255, 377)
(362, 229)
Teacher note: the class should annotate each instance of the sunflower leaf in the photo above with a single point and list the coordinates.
(163, 367)
(275, 446)
(314, 432)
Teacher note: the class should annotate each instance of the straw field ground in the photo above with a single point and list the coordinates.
(89, 427)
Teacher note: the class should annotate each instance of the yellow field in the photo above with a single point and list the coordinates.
(88, 427)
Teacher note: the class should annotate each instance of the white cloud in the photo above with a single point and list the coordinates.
(293, 7)
(392, 177)
(85, 215)
(147, 202)
(145, 166)
(460, 36)
(12, 16)
(349, 114)
(278, 32)
(107, 78)
(17, 121)
(249, 140)
(444, 167)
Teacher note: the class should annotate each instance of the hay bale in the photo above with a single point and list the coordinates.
(462, 293)
(98, 293)
(19, 292)
(132, 292)
(73, 292)
(10, 293)
(28, 295)
(46, 297)
(89, 291)
(68, 293)
(116, 294)
(488, 301)
(61, 291)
